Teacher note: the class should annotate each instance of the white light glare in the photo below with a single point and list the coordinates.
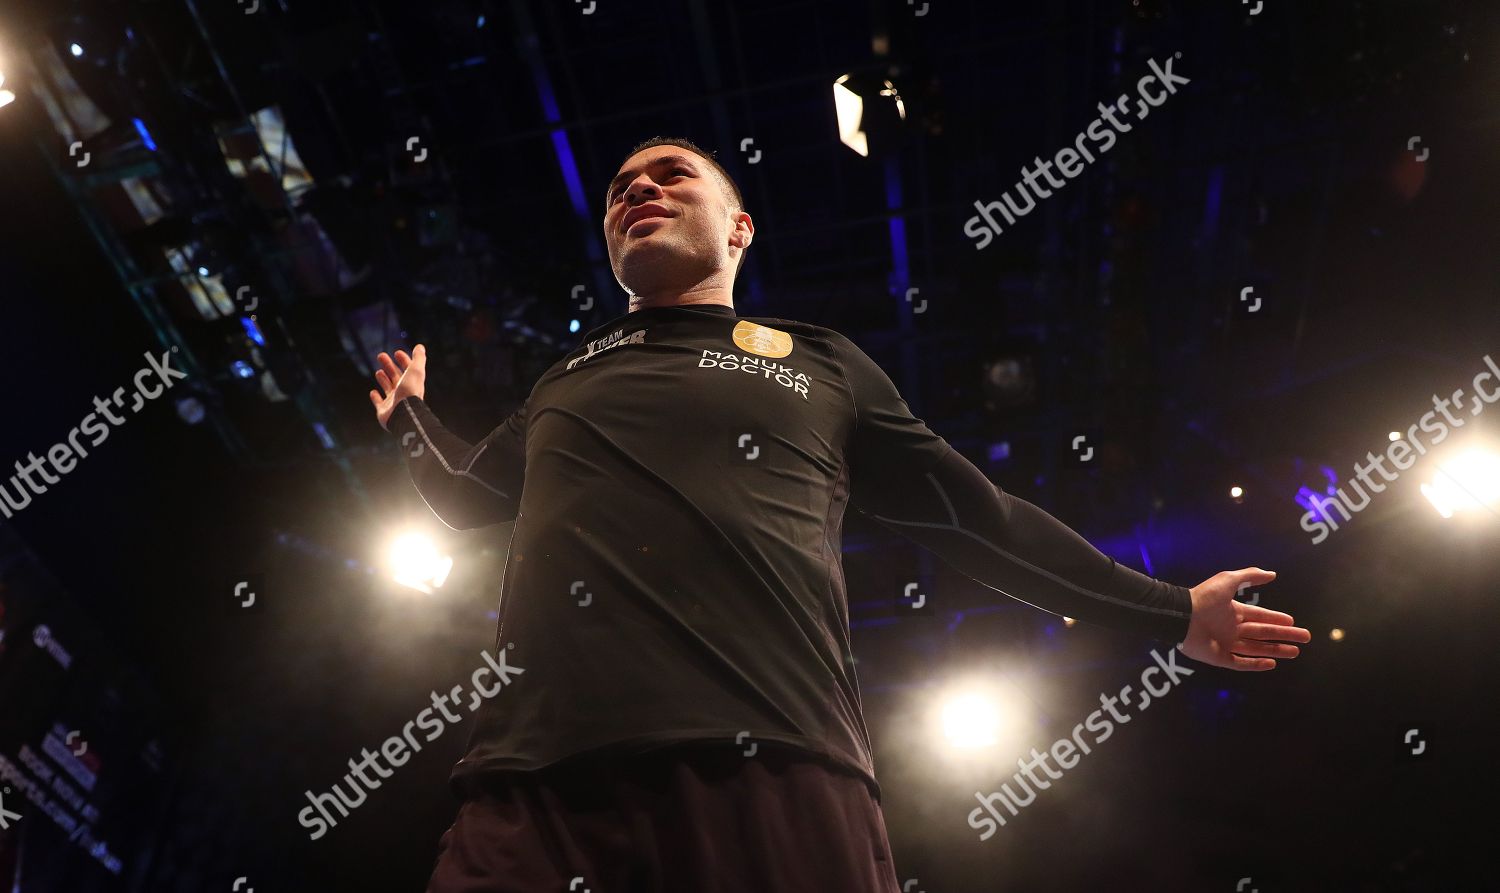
(1466, 483)
(75, 49)
(6, 96)
(415, 561)
(850, 108)
(971, 720)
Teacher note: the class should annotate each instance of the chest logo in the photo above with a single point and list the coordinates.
(761, 340)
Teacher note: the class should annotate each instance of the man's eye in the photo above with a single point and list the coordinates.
(620, 190)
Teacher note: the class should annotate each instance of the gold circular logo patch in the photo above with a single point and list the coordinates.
(761, 340)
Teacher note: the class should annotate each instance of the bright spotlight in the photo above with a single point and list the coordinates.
(1394, 436)
(6, 96)
(415, 561)
(1236, 492)
(1336, 634)
(970, 720)
(881, 117)
(1463, 484)
(76, 50)
(850, 108)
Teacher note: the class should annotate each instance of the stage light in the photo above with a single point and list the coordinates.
(860, 122)
(242, 369)
(1336, 634)
(415, 561)
(573, 325)
(251, 154)
(1468, 482)
(1009, 382)
(1069, 622)
(971, 720)
(252, 330)
(1394, 436)
(140, 128)
(6, 96)
(191, 410)
(76, 50)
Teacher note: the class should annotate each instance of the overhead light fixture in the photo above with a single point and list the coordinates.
(870, 113)
(250, 155)
(1009, 381)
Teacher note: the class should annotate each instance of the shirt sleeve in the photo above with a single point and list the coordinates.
(912, 481)
(466, 485)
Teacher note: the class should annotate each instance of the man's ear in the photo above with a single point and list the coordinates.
(744, 231)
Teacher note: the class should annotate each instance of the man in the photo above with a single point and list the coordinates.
(689, 718)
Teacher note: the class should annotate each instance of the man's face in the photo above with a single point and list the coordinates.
(680, 222)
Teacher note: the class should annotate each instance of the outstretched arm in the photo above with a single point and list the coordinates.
(466, 485)
(911, 480)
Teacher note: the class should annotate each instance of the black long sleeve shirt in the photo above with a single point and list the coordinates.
(678, 485)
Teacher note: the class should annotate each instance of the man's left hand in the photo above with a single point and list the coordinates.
(1234, 635)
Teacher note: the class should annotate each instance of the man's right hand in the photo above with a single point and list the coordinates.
(405, 376)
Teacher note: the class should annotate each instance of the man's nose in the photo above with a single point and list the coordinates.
(642, 191)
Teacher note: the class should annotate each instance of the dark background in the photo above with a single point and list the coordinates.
(1284, 166)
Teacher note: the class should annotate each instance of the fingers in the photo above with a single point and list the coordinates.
(389, 366)
(395, 366)
(1264, 615)
(389, 371)
(1252, 664)
(1253, 648)
(1253, 575)
(1274, 632)
(375, 399)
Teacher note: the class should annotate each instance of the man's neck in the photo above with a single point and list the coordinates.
(683, 299)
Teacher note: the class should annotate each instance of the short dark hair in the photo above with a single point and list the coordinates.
(726, 182)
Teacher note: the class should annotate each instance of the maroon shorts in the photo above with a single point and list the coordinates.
(693, 819)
